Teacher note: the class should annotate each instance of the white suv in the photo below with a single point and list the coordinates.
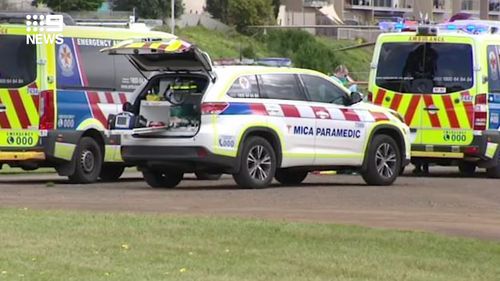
(256, 123)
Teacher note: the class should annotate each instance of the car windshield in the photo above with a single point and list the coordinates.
(425, 68)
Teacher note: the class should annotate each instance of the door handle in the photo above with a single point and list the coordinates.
(431, 108)
(323, 115)
(3, 108)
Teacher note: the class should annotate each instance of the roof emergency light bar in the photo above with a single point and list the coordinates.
(467, 26)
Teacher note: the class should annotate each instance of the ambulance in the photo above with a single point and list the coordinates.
(445, 81)
(256, 123)
(55, 98)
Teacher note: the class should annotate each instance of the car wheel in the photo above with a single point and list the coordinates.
(494, 172)
(162, 179)
(467, 169)
(290, 176)
(204, 176)
(111, 172)
(383, 161)
(88, 161)
(258, 164)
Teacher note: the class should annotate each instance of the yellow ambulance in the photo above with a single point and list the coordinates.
(56, 95)
(445, 81)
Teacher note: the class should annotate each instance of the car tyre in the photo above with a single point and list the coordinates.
(88, 161)
(383, 161)
(290, 176)
(258, 164)
(204, 176)
(467, 169)
(494, 172)
(110, 173)
(162, 179)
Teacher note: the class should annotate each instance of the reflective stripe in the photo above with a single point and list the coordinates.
(491, 149)
(412, 108)
(64, 150)
(379, 99)
(433, 117)
(396, 101)
(350, 115)
(450, 111)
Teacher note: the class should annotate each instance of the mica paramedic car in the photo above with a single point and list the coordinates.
(256, 123)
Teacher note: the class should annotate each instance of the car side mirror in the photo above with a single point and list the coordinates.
(127, 107)
(356, 97)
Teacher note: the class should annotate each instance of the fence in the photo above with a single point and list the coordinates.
(352, 34)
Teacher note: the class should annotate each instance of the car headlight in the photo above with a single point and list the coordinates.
(397, 115)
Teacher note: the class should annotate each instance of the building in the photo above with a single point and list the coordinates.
(306, 12)
(194, 6)
(16, 5)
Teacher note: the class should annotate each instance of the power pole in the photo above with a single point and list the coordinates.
(484, 9)
(172, 24)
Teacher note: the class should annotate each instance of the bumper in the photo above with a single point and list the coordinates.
(483, 148)
(8, 156)
(184, 158)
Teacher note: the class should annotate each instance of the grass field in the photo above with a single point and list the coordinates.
(227, 45)
(50, 245)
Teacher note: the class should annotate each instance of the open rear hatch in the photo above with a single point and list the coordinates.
(169, 105)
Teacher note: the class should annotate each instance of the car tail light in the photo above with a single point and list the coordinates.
(46, 110)
(213, 107)
(370, 97)
(471, 150)
(480, 112)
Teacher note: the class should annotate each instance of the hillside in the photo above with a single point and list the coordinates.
(228, 45)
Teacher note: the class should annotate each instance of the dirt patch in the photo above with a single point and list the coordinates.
(443, 203)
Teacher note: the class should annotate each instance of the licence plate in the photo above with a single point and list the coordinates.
(19, 138)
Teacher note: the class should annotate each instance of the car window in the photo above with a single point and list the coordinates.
(244, 87)
(323, 90)
(280, 86)
(80, 64)
(18, 61)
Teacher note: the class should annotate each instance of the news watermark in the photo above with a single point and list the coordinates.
(44, 29)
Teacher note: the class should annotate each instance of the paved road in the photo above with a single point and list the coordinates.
(443, 203)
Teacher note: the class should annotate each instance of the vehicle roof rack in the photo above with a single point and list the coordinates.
(19, 17)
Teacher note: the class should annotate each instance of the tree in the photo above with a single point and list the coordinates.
(73, 5)
(276, 7)
(218, 9)
(155, 9)
(242, 13)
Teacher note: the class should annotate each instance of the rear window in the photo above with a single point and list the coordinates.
(425, 68)
(244, 87)
(280, 86)
(18, 61)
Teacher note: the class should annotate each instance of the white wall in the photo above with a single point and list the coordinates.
(194, 6)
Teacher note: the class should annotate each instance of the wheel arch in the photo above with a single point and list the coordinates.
(391, 131)
(268, 134)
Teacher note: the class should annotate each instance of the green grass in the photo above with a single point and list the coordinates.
(49, 245)
(227, 45)
(357, 60)
(223, 44)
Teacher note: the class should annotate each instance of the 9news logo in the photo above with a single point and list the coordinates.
(44, 29)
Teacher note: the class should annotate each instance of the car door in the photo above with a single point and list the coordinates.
(21, 81)
(340, 132)
(291, 115)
